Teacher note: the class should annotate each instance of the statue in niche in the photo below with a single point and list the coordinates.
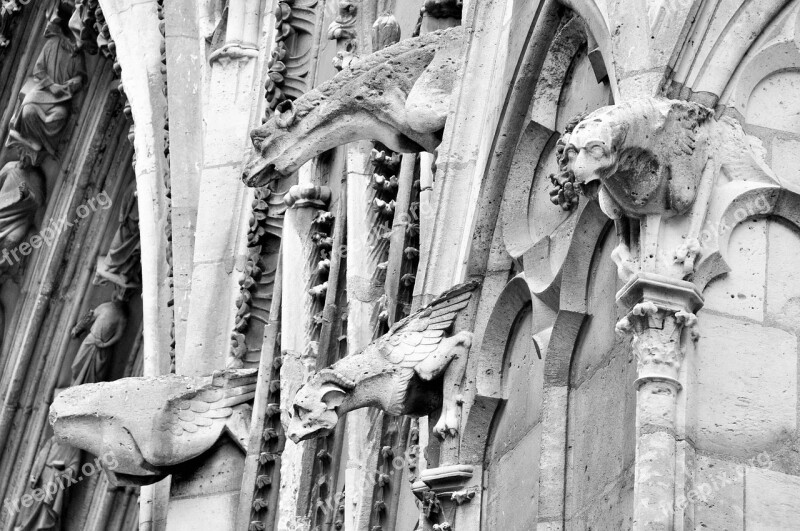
(122, 264)
(106, 324)
(55, 468)
(59, 74)
(21, 195)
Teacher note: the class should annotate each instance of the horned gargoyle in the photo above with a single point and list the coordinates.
(153, 424)
(655, 158)
(398, 96)
(401, 372)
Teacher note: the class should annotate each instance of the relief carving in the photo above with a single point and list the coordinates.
(55, 468)
(106, 325)
(398, 96)
(59, 74)
(397, 373)
(122, 263)
(21, 195)
(176, 418)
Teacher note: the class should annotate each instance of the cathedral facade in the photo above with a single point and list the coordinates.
(474, 265)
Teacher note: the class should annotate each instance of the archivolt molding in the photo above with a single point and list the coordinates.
(715, 46)
(777, 49)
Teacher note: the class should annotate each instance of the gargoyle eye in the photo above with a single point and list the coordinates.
(299, 410)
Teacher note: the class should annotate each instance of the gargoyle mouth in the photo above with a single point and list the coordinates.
(260, 173)
(591, 189)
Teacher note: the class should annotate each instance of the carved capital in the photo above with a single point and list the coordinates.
(660, 310)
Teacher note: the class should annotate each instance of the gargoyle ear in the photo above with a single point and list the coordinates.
(333, 396)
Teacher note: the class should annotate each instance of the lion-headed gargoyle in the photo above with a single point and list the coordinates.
(401, 372)
(153, 424)
(652, 158)
(398, 96)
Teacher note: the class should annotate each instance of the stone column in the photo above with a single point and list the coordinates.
(661, 309)
(299, 352)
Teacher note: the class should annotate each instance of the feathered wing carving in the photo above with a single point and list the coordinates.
(415, 339)
(199, 415)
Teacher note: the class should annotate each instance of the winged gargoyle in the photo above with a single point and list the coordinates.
(656, 158)
(153, 424)
(398, 373)
(398, 96)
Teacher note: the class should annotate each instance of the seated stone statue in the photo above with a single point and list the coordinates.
(21, 195)
(93, 359)
(55, 464)
(59, 74)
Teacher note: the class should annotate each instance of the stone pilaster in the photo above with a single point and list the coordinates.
(661, 316)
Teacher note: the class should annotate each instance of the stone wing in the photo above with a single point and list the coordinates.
(206, 409)
(414, 338)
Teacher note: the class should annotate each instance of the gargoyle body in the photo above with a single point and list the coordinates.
(153, 424)
(398, 373)
(398, 96)
(651, 158)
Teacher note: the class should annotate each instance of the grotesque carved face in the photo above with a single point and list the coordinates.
(590, 154)
(315, 411)
(270, 147)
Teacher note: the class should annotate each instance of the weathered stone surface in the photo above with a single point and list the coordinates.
(771, 499)
(736, 412)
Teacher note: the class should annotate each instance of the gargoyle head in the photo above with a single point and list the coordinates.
(273, 150)
(83, 416)
(590, 152)
(316, 407)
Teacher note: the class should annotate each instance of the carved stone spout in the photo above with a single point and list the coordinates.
(151, 425)
(399, 372)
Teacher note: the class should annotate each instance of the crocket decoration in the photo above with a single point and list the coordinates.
(402, 373)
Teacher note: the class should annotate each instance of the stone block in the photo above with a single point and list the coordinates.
(772, 500)
(746, 391)
(783, 276)
(717, 494)
(741, 292)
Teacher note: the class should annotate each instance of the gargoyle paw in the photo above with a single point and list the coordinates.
(447, 425)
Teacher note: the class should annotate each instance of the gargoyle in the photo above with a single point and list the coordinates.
(398, 96)
(398, 373)
(654, 158)
(153, 424)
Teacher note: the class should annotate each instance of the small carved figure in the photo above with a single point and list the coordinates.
(396, 373)
(175, 419)
(93, 359)
(21, 195)
(55, 468)
(59, 74)
(122, 264)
